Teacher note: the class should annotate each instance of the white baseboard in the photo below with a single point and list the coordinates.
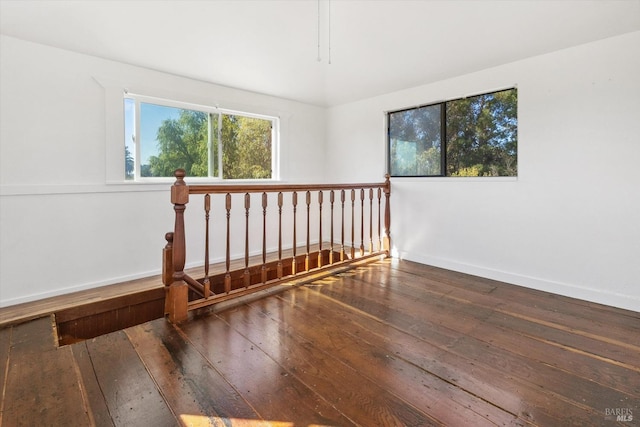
(77, 288)
(627, 302)
(136, 276)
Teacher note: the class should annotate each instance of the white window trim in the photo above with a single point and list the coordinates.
(138, 99)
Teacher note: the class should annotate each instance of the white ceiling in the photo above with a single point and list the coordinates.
(271, 46)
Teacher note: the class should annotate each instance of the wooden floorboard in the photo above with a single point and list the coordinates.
(393, 343)
(573, 389)
(261, 380)
(165, 351)
(5, 345)
(95, 400)
(309, 358)
(130, 393)
(606, 322)
(435, 356)
(347, 338)
(42, 384)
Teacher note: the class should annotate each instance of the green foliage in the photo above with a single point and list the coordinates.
(475, 170)
(254, 149)
(482, 135)
(128, 163)
(183, 143)
(246, 148)
(415, 141)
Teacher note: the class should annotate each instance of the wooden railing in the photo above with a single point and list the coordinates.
(358, 207)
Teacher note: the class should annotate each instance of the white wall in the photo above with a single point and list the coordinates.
(570, 222)
(62, 227)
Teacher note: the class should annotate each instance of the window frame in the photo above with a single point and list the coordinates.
(213, 112)
(443, 139)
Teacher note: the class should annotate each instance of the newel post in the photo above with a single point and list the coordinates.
(387, 215)
(177, 293)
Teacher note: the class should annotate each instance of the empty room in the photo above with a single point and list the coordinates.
(320, 212)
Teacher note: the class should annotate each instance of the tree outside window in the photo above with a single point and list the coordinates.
(478, 136)
(215, 144)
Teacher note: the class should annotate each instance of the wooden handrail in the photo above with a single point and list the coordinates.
(184, 292)
(274, 188)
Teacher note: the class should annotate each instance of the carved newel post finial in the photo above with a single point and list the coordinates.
(180, 174)
(179, 190)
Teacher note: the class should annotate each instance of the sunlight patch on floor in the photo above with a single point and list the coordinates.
(206, 421)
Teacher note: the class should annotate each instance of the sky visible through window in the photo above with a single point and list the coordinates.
(152, 118)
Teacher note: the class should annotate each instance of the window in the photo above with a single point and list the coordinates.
(474, 136)
(162, 136)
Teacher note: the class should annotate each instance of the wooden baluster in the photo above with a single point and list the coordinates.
(207, 209)
(353, 224)
(342, 198)
(167, 267)
(247, 274)
(371, 220)
(379, 216)
(177, 298)
(361, 221)
(332, 198)
(294, 262)
(306, 258)
(264, 238)
(387, 215)
(167, 260)
(227, 276)
(279, 267)
(320, 197)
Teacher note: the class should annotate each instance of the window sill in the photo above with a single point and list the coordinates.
(115, 187)
(61, 189)
(456, 179)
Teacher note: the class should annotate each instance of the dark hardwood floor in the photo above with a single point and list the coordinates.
(388, 344)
